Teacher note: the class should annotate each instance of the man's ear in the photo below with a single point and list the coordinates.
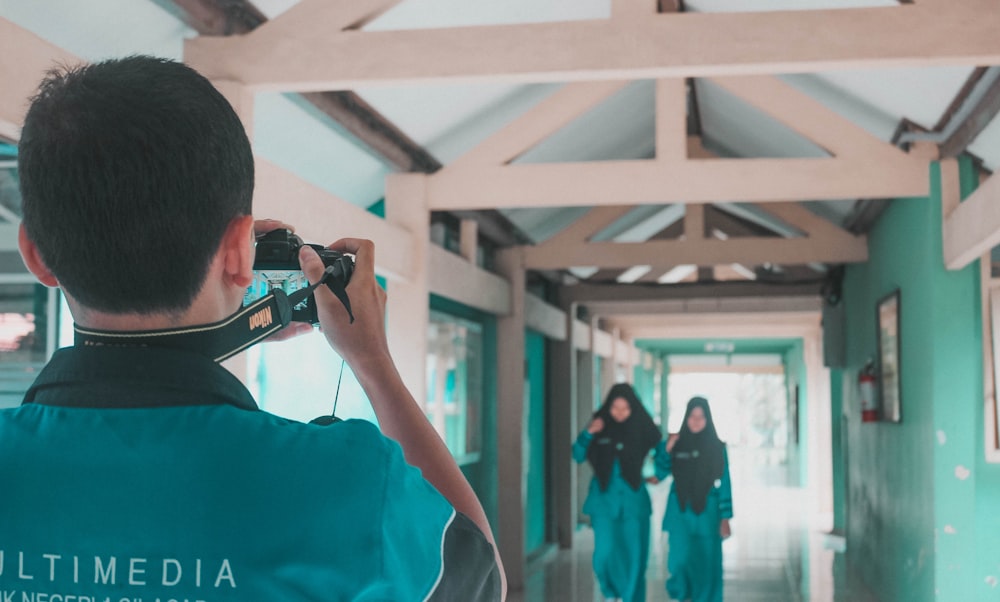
(238, 251)
(33, 259)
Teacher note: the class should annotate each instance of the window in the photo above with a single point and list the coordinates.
(298, 379)
(24, 336)
(454, 399)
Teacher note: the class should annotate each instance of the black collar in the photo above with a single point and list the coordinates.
(135, 377)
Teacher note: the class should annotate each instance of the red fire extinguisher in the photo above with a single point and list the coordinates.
(866, 391)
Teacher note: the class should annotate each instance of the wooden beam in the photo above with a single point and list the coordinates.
(468, 239)
(694, 222)
(633, 9)
(545, 318)
(982, 115)
(592, 294)
(814, 226)
(706, 305)
(24, 60)
(374, 131)
(973, 228)
(294, 53)
(671, 119)
(812, 119)
(650, 182)
(452, 277)
(510, 421)
(728, 326)
(556, 111)
(319, 216)
(662, 254)
(587, 225)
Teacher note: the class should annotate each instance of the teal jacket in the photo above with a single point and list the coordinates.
(134, 473)
(720, 498)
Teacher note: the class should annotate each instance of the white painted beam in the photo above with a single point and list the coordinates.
(510, 421)
(812, 119)
(714, 325)
(553, 113)
(973, 227)
(544, 318)
(665, 254)
(296, 55)
(671, 119)
(453, 277)
(321, 217)
(24, 59)
(408, 300)
(705, 305)
(650, 182)
(468, 239)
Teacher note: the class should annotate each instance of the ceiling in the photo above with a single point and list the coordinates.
(450, 120)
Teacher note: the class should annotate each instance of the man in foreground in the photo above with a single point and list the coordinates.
(137, 466)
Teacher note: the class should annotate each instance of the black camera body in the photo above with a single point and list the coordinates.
(276, 265)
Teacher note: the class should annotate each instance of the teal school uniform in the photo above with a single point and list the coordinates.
(695, 560)
(620, 519)
(150, 474)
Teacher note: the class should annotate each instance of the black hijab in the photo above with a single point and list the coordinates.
(697, 460)
(629, 442)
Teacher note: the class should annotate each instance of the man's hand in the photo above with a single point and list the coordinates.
(724, 530)
(671, 442)
(596, 426)
(652, 480)
(363, 343)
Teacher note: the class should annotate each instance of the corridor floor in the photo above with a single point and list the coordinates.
(774, 555)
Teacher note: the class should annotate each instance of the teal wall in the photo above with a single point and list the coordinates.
(836, 433)
(920, 500)
(482, 475)
(534, 453)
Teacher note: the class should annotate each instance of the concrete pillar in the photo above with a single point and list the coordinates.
(561, 431)
(609, 368)
(586, 382)
(510, 420)
(468, 240)
(408, 303)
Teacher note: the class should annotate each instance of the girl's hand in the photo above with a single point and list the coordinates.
(724, 530)
(671, 441)
(596, 426)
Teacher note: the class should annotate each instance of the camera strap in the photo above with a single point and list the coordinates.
(220, 340)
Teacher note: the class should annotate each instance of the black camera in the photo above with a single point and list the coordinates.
(276, 266)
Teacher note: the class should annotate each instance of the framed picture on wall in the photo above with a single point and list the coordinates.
(888, 357)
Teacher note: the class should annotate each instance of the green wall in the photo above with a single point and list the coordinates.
(535, 510)
(921, 502)
(836, 434)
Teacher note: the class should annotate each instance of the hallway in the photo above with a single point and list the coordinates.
(773, 556)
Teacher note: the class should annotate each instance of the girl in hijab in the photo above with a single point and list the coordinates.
(616, 443)
(699, 507)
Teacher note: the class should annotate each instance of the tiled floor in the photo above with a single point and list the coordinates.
(774, 555)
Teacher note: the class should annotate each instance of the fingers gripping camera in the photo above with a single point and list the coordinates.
(276, 266)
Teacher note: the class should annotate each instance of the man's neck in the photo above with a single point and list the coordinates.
(195, 315)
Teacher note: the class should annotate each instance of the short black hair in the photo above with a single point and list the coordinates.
(130, 171)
